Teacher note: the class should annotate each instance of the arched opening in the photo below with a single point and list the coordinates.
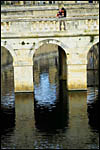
(49, 69)
(7, 74)
(93, 66)
(50, 96)
(93, 87)
(93, 72)
(6, 58)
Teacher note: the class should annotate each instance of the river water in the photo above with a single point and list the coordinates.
(51, 117)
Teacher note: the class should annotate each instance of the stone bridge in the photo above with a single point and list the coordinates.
(22, 36)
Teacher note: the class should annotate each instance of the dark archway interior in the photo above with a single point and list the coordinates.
(6, 58)
(48, 55)
(50, 96)
(93, 66)
(7, 72)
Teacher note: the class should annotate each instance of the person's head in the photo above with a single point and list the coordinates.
(63, 8)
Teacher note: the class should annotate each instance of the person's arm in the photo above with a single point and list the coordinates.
(57, 14)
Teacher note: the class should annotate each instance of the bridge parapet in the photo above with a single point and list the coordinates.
(75, 35)
(50, 27)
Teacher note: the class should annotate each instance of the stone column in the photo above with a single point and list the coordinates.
(23, 78)
(62, 64)
(76, 72)
(76, 77)
(23, 72)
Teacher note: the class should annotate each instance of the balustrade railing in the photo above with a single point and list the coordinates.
(77, 25)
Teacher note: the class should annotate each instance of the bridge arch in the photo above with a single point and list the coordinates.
(6, 57)
(93, 52)
(91, 44)
(9, 48)
(93, 65)
(50, 41)
(62, 55)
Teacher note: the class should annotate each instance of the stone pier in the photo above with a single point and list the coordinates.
(23, 34)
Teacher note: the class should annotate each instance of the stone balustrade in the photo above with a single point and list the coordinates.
(72, 26)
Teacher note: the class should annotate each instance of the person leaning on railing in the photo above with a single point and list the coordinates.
(59, 14)
(62, 14)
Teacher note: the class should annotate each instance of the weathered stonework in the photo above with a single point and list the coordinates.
(23, 35)
(23, 79)
(76, 77)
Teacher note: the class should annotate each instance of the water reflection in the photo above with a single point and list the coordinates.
(79, 131)
(7, 103)
(52, 116)
(93, 113)
(45, 94)
(25, 122)
(7, 120)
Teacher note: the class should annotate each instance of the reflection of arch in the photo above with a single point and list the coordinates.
(43, 121)
(49, 41)
(8, 120)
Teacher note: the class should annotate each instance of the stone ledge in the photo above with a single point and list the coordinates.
(46, 35)
(45, 16)
(50, 19)
(9, 8)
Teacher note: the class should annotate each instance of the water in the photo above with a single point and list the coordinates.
(51, 117)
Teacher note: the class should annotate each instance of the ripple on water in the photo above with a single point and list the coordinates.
(45, 94)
